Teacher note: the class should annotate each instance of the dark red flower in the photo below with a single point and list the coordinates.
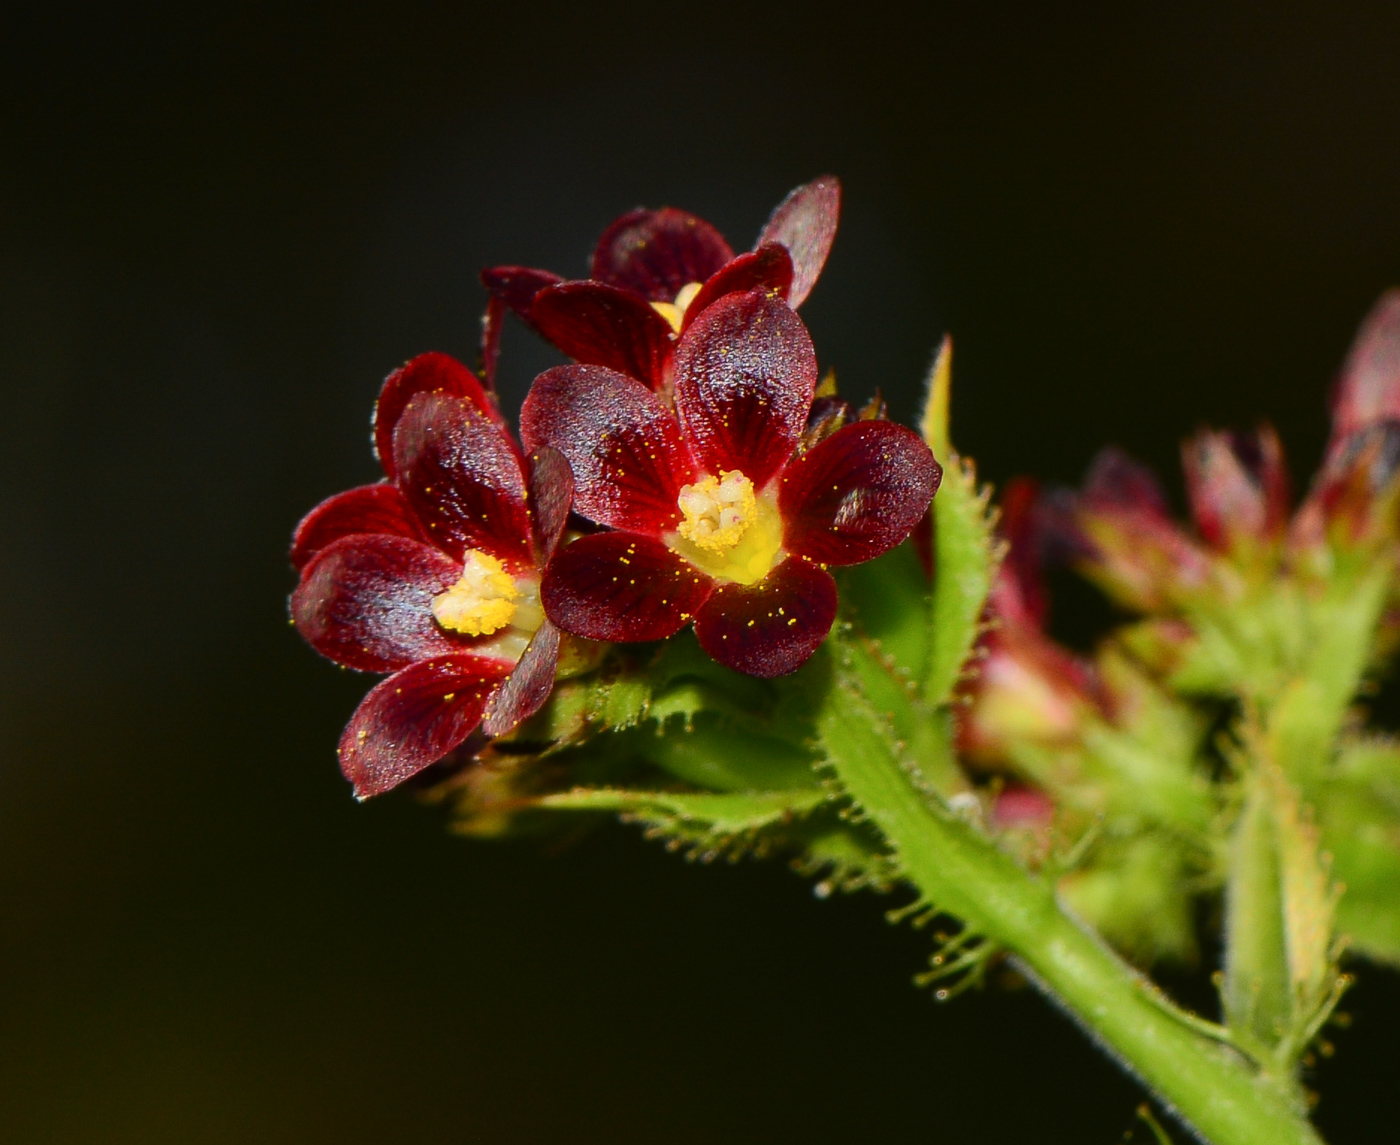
(654, 272)
(716, 516)
(433, 575)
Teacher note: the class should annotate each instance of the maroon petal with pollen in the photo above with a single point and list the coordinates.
(414, 718)
(768, 269)
(425, 374)
(366, 602)
(805, 223)
(770, 628)
(745, 375)
(603, 325)
(620, 440)
(655, 253)
(621, 587)
(551, 498)
(528, 686)
(517, 286)
(369, 509)
(462, 476)
(857, 494)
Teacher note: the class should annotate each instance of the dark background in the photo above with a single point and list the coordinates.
(220, 228)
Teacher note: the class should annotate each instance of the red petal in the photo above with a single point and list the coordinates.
(603, 325)
(768, 269)
(528, 686)
(745, 375)
(621, 587)
(805, 223)
(770, 628)
(368, 509)
(425, 374)
(414, 718)
(655, 253)
(462, 476)
(551, 498)
(858, 493)
(517, 286)
(366, 602)
(623, 445)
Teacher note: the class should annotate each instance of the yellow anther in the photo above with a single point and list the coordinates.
(674, 312)
(483, 600)
(727, 530)
(717, 511)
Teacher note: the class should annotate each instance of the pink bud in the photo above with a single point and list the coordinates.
(1128, 543)
(1238, 487)
(1367, 390)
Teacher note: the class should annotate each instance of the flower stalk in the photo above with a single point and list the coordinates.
(1210, 1087)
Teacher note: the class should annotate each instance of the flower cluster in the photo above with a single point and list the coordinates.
(1253, 605)
(681, 472)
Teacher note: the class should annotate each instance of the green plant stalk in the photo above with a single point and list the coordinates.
(1212, 1089)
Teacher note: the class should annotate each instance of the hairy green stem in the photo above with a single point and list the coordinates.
(1212, 1089)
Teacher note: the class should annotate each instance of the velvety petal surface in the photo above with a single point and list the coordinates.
(365, 601)
(462, 477)
(655, 253)
(517, 286)
(369, 509)
(745, 375)
(768, 269)
(805, 223)
(857, 494)
(528, 686)
(602, 325)
(622, 443)
(425, 374)
(551, 499)
(770, 628)
(414, 718)
(621, 587)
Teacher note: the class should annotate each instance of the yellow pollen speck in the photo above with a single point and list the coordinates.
(447, 699)
(483, 600)
(717, 511)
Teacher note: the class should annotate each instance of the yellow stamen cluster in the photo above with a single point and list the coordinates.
(717, 511)
(674, 312)
(483, 600)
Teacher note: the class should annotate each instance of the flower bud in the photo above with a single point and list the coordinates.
(1125, 540)
(1238, 488)
(1367, 390)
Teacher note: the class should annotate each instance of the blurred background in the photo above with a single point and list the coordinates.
(222, 225)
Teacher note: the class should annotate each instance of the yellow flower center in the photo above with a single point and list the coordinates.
(727, 530)
(486, 598)
(674, 312)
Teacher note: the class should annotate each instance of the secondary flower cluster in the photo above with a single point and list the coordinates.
(682, 471)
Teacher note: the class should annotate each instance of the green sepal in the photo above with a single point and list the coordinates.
(706, 825)
(1281, 979)
(1138, 893)
(924, 733)
(1358, 809)
(888, 600)
(1308, 715)
(965, 560)
(723, 755)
